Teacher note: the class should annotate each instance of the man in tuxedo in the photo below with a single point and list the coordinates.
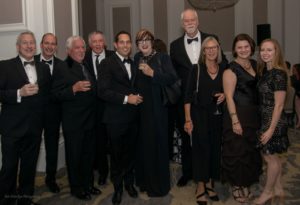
(185, 52)
(24, 92)
(116, 87)
(93, 58)
(48, 47)
(75, 87)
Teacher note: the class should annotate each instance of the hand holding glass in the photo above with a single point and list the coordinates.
(215, 100)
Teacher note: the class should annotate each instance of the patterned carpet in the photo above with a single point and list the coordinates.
(181, 196)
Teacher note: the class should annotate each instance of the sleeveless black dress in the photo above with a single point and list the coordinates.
(241, 160)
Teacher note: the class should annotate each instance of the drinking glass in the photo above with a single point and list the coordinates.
(215, 100)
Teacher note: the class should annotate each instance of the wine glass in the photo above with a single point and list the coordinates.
(215, 100)
(142, 63)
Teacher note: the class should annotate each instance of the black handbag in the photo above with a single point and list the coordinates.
(171, 93)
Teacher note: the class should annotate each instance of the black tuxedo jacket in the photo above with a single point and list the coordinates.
(180, 58)
(18, 118)
(78, 110)
(89, 59)
(113, 86)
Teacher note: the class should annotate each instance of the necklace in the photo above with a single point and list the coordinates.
(213, 73)
(246, 65)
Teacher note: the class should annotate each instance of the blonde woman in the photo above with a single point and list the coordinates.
(202, 122)
(272, 88)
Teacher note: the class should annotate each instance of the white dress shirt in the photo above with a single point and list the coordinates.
(193, 49)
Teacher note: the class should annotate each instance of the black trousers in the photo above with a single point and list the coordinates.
(19, 153)
(80, 151)
(51, 139)
(122, 137)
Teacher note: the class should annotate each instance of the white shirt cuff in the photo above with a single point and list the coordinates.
(18, 96)
(125, 99)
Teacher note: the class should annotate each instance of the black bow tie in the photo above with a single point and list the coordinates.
(190, 40)
(29, 62)
(127, 60)
(48, 62)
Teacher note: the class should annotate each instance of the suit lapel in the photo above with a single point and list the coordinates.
(121, 64)
(184, 52)
(21, 69)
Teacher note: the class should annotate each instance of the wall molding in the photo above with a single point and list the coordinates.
(17, 26)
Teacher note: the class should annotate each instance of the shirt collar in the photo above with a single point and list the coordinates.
(23, 59)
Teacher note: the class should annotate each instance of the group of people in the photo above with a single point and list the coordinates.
(106, 101)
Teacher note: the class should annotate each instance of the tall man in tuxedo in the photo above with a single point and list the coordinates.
(185, 52)
(116, 87)
(24, 89)
(48, 47)
(93, 58)
(75, 87)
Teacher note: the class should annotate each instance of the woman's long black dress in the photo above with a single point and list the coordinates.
(271, 81)
(241, 160)
(207, 127)
(152, 170)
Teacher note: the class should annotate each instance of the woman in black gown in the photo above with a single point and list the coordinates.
(204, 94)
(155, 71)
(272, 88)
(241, 160)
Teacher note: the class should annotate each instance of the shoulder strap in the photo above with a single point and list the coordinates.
(198, 76)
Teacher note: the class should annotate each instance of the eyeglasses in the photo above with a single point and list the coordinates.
(147, 40)
(212, 48)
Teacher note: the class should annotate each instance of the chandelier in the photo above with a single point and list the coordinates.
(212, 5)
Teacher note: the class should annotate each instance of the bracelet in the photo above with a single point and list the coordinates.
(233, 113)
(188, 121)
(235, 123)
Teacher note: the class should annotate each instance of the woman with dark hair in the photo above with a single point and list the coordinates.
(203, 120)
(154, 71)
(273, 138)
(241, 161)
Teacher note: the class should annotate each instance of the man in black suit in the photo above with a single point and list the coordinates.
(75, 87)
(185, 52)
(116, 88)
(24, 92)
(48, 47)
(93, 58)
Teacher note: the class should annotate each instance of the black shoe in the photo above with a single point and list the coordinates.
(26, 202)
(83, 195)
(183, 181)
(201, 202)
(102, 181)
(117, 197)
(53, 187)
(131, 191)
(213, 197)
(94, 191)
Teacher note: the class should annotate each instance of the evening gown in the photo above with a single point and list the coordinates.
(152, 166)
(241, 159)
(271, 81)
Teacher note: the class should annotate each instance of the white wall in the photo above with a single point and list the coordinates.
(39, 18)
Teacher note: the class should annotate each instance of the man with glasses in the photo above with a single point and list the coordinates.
(24, 89)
